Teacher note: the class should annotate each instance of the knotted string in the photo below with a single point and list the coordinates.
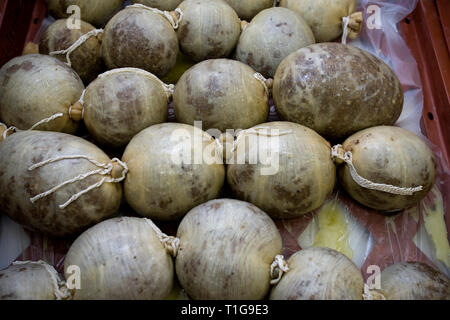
(277, 269)
(76, 44)
(338, 152)
(171, 244)
(104, 170)
(174, 22)
(60, 290)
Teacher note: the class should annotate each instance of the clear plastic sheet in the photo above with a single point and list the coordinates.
(368, 237)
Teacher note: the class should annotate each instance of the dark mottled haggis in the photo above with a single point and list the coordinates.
(85, 60)
(223, 94)
(142, 39)
(337, 90)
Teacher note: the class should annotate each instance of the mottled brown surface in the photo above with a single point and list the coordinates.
(140, 38)
(388, 155)
(320, 274)
(18, 184)
(35, 87)
(305, 175)
(120, 105)
(26, 282)
(323, 16)
(85, 60)
(227, 247)
(247, 9)
(270, 37)
(223, 94)
(165, 181)
(121, 259)
(414, 281)
(210, 29)
(337, 90)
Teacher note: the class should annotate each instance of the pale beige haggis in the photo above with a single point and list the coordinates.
(226, 250)
(209, 29)
(223, 94)
(388, 155)
(247, 9)
(413, 281)
(323, 16)
(121, 258)
(270, 37)
(320, 274)
(34, 87)
(119, 105)
(28, 281)
(303, 173)
(164, 181)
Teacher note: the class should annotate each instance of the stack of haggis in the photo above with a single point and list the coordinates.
(55, 182)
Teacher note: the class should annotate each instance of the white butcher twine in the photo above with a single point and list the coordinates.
(338, 152)
(104, 170)
(76, 44)
(61, 291)
(258, 131)
(174, 22)
(14, 129)
(171, 244)
(277, 269)
(168, 88)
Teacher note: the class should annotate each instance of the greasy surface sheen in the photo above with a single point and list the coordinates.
(168, 5)
(96, 12)
(140, 38)
(17, 184)
(35, 87)
(121, 258)
(389, 155)
(414, 281)
(323, 16)
(305, 177)
(222, 93)
(247, 9)
(337, 90)
(210, 29)
(26, 282)
(162, 183)
(271, 36)
(86, 59)
(320, 274)
(227, 247)
(118, 106)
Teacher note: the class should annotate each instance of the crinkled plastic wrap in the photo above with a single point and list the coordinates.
(366, 236)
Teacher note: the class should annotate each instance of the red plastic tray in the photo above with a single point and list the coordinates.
(427, 32)
(20, 21)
